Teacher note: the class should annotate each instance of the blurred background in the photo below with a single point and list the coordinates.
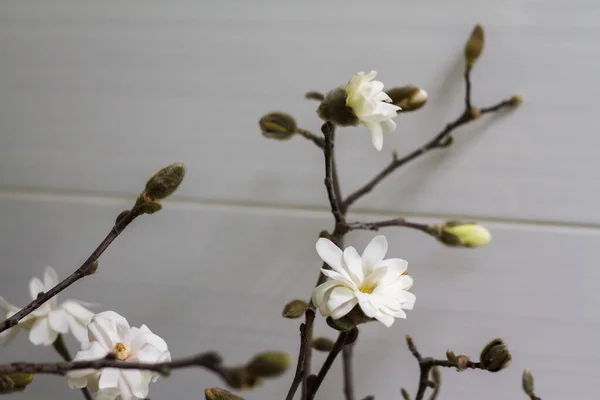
(97, 95)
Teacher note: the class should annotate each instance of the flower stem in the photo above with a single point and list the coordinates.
(337, 347)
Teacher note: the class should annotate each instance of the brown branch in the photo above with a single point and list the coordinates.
(319, 142)
(61, 348)
(337, 347)
(425, 365)
(348, 375)
(375, 226)
(80, 273)
(305, 334)
(328, 130)
(467, 87)
(210, 361)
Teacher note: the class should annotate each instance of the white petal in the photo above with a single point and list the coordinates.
(143, 338)
(136, 382)
(376, 134)
(365, 303)
(109, 380)
(75, 308)
(35, 286)
(354, 264)
(50, 278)
(409, 302)
(78, 329)
(374, 253)
(58, 320)
(396, 267)
(332, 255)
(371, 75)
(388, 125)
(7, 307)
(384, 319)
(405, 282)
(91, 351)
(41, 333)
(374, 279)
(341, 279)
(339, 296)
(109, 328)
(394, 313)
(344, 309)
(7, 336)
(320, 296)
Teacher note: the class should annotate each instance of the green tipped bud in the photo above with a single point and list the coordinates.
(462, 234)
(313, 95)
(495, 356)
(474, 46)
(294, 309)
(164, 182)
(404, 394)
(516, 100)
(91, 270)
(15, 382)
(322, 344)
(451, 357)
(220, 394)
(278, 125)
(269, 364)
(408, 98)
(528, 386)
(334, 109)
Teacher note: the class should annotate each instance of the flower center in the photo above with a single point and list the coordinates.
(366, 289)
(122, 351)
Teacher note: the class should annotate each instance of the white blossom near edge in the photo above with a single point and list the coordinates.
(378, 286)
(51, 319)
(371, 105)
(110, 332)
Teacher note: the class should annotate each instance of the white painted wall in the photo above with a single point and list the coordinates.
(96, 95)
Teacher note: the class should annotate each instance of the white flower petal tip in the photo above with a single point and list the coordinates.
(110, 332)
(371, 105)
(377, 287)
(51, 319)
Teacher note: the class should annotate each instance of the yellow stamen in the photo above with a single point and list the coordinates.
(122, 351)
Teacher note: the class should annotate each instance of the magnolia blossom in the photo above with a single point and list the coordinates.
(378, 286)
(109, 332)
(45, 323)
(371, 105)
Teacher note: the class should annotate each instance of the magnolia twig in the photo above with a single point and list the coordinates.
(328, 130)
(375, 226)
(210, 361)
(337, 347)
(467, 87)
(320, 142)
(61, 348)
(348, 375)
(80, 273)
(305, 334)
(425, 365)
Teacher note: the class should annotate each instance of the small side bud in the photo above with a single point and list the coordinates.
(294, 309)
(239, 377)
(269, 364)
(334, 109)
(516, 100)
(15, 382)
(436, 376)
(461, 234)
(164, 182)
(451, 357)
(322, 344)
(462, 362)
(495, 356)
(313, 95)
(404, 394)
(220, 394)
(408, 98)
(121, 216)
(278, 125)
(91, 270)
(474, 46)
(528, 385)
(474, 112)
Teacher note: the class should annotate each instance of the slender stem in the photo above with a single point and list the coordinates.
(513, 101)
(329, 133)
(61, 348)
(348, 375)
(467, 87)
(319, 142)
(375, 226)
(307, 362)
(75, 276)
(305, 332)
(337, 347)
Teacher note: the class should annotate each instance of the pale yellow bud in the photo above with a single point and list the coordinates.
(464, 234)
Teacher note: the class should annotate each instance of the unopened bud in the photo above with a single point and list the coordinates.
(495, 356)
(294, 309)
(278, 125)
(475, 112)
(312, 95)
(334, 109)
(220, 394)
(462, 362)
(349, 321)
(269, 364)
(239, 377)
(516, 100)
(15, 382)
(474, 46)
(322, 344)
(404, 394)
(451, 357)
(528, 386)
(408, 98)
(462, 234)
(164, 182)
(92, 268)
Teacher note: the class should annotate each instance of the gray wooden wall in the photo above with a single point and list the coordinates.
(96, 95)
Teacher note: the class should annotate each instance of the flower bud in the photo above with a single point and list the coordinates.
(462, 234)
(278, 125)
(312, 95)
(528, 386)
(220, 394)
(294, 309)
(495, 356)
(164, 182)
(91, 270)
(322, 344)
(516, 100)
(474, 46)
(451, 357)
(462, 362)
(269, 364)
(408, 98)
(349, 321)
(239, 377)
(404, 394)
(15, 382)
(334, 109)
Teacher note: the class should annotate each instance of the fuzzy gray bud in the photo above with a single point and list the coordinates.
(278, 125)
(334, 109)
(408, 98)
(495, 356)
(294, 309)
(474, 46)
(164, 182)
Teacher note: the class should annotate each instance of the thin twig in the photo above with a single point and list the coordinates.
(337, 347)
(328, 130)
(348, 375)
(61, 348)
(467, 87)
(375, 226)
(305, 333)
(320, 142)
(80, 273)
(513, 101)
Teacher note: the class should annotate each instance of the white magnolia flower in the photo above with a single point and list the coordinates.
(45, 323)
(371, 105)
(378, 286)
(109, 332)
